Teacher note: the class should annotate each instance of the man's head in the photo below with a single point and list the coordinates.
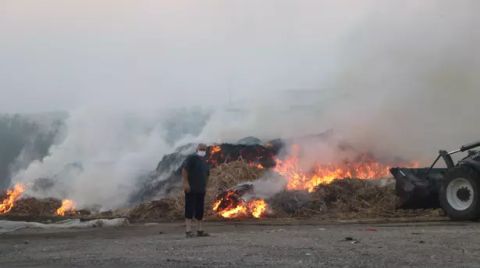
(201, 150)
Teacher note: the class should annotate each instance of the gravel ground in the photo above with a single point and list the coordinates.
(249, 244)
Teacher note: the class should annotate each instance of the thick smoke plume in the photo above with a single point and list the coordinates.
(394, 78)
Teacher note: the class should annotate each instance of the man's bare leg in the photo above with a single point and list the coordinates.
(188, 225)
(199, 226)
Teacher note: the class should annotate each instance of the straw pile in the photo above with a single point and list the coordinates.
(353, 196)
(342, 199)
(229, 175)
(221, 178)
(34, 207)
(157, 210)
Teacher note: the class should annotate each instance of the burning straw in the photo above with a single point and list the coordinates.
(345, 199)
(339, 199)
(222, 177)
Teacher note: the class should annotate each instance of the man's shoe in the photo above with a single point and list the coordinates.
(189, 235)
(202, 234)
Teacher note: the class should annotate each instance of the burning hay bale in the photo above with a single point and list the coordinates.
(9, 197)
(344, 199)
(223, 177)
(229, 175)
(252, 153)
(34, 207)
(317, 190)
(165, 209)
(14, 204)
(67, 208)
(355, 196)
(292, 203)
(167, 176)
(341, 198)
(232, 204)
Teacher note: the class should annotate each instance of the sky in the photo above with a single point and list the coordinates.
(60, 55)
(359, 66)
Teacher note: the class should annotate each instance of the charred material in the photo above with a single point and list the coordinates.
(232, 198)
(167, 176)
(253, 154)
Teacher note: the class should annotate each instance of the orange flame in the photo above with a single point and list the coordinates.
(216, 205)
(364, 167)
(215, 149)
(258, 208)
(12, 196)
(258, 166)
(238, 208)
(236, 212)
(67, 206)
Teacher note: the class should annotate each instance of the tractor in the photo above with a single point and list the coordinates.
(455, 188)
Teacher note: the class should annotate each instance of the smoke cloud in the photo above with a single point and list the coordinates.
(140, 78)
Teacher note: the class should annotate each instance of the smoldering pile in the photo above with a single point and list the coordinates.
(164, 181)
(222, 177)
(345, 199)
(252, 162)
(15, 205)
(160, 196)
(31, 208)
(341, 199)
(37, 208)
(230, 164)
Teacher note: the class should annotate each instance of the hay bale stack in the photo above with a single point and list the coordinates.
(292, 204)
(355, 197)
(345, 199)
(222, 177)
(165, 209)
(231, 174)
(350, 198)
(34, 207)
(341, 199)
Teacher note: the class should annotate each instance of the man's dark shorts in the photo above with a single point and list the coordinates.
(194, 205)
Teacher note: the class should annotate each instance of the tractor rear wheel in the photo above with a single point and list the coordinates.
(459, 194)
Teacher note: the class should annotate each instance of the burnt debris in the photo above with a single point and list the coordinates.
(167, 176)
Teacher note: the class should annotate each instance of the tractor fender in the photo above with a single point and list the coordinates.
(472, 163)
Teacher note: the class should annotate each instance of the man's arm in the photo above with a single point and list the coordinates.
(208, 175)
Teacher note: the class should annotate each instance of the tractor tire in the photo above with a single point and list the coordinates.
(459, 194)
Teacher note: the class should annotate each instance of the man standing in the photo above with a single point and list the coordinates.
(195, 172)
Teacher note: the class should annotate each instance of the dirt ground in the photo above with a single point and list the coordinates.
(272, 243)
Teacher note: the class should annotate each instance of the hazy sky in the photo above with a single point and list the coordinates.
(57, 54)
(397, 78)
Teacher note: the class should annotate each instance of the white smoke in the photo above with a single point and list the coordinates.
(398, 78)
(109, 150)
